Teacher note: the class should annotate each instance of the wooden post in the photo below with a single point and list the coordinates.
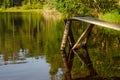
(71, 53)
(65, 35)
(63, 52)
(66, 65)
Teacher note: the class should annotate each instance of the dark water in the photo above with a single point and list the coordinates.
(30, 49)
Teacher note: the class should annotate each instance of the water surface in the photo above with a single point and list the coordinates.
(30, 49)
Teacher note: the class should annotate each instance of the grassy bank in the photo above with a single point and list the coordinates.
(19, 9)
(46, 11)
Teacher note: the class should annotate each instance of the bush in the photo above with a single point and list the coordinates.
(114, 17)
(33, 6)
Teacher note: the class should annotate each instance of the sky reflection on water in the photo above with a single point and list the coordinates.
(34, 69)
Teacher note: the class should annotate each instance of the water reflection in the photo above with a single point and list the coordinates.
(22, 54)
(26, 38)
(34, 69)
(68, 75)
(19, 58)
(29, 50)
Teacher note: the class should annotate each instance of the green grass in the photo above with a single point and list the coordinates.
(19, 9)
(25, 8)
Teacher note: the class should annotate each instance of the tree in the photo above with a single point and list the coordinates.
(6, 3)
(84, 7)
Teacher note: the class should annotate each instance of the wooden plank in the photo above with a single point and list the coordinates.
(83, 36)
(98, 22)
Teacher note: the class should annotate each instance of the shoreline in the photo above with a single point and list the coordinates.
(47, 12)
(20, 10)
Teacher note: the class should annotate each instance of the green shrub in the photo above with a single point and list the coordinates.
(33, 6)
(113, 17)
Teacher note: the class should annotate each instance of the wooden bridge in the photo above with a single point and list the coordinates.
(82, 41)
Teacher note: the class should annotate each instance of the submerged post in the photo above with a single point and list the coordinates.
(63, 52)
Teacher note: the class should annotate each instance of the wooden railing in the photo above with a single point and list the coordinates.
(98, 22)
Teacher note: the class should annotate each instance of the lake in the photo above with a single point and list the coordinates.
(30, 49)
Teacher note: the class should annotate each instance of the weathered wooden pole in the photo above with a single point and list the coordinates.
(63, 52)
(71, 44)
(65, 36)
(66, 65)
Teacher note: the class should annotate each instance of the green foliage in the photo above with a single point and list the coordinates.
(6, 4)
(68, 7)
(27, 4)
(33, 6)
(84, 7)
(113, 17)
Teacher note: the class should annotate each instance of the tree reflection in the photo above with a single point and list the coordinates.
(24, 35)
(17, 32)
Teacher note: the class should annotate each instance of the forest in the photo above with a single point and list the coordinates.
(108, 10)
(67, 7)
(26, 4)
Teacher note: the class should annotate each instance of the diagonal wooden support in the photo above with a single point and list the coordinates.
(82, 41)
(85, 56)
(83, 36)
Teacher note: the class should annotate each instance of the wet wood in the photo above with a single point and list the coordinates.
(71, 53)
(83, 36)
(65, 36)
(86, 58)
(66, 65)
(82, 41)
(98, 22)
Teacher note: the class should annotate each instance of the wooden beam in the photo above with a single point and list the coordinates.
(98, 22)
(83, 36)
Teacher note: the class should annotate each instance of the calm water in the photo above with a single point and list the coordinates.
(27, 43)
(29, 49)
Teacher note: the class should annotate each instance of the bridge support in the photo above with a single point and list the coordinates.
(73, 49)
(82, 41)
